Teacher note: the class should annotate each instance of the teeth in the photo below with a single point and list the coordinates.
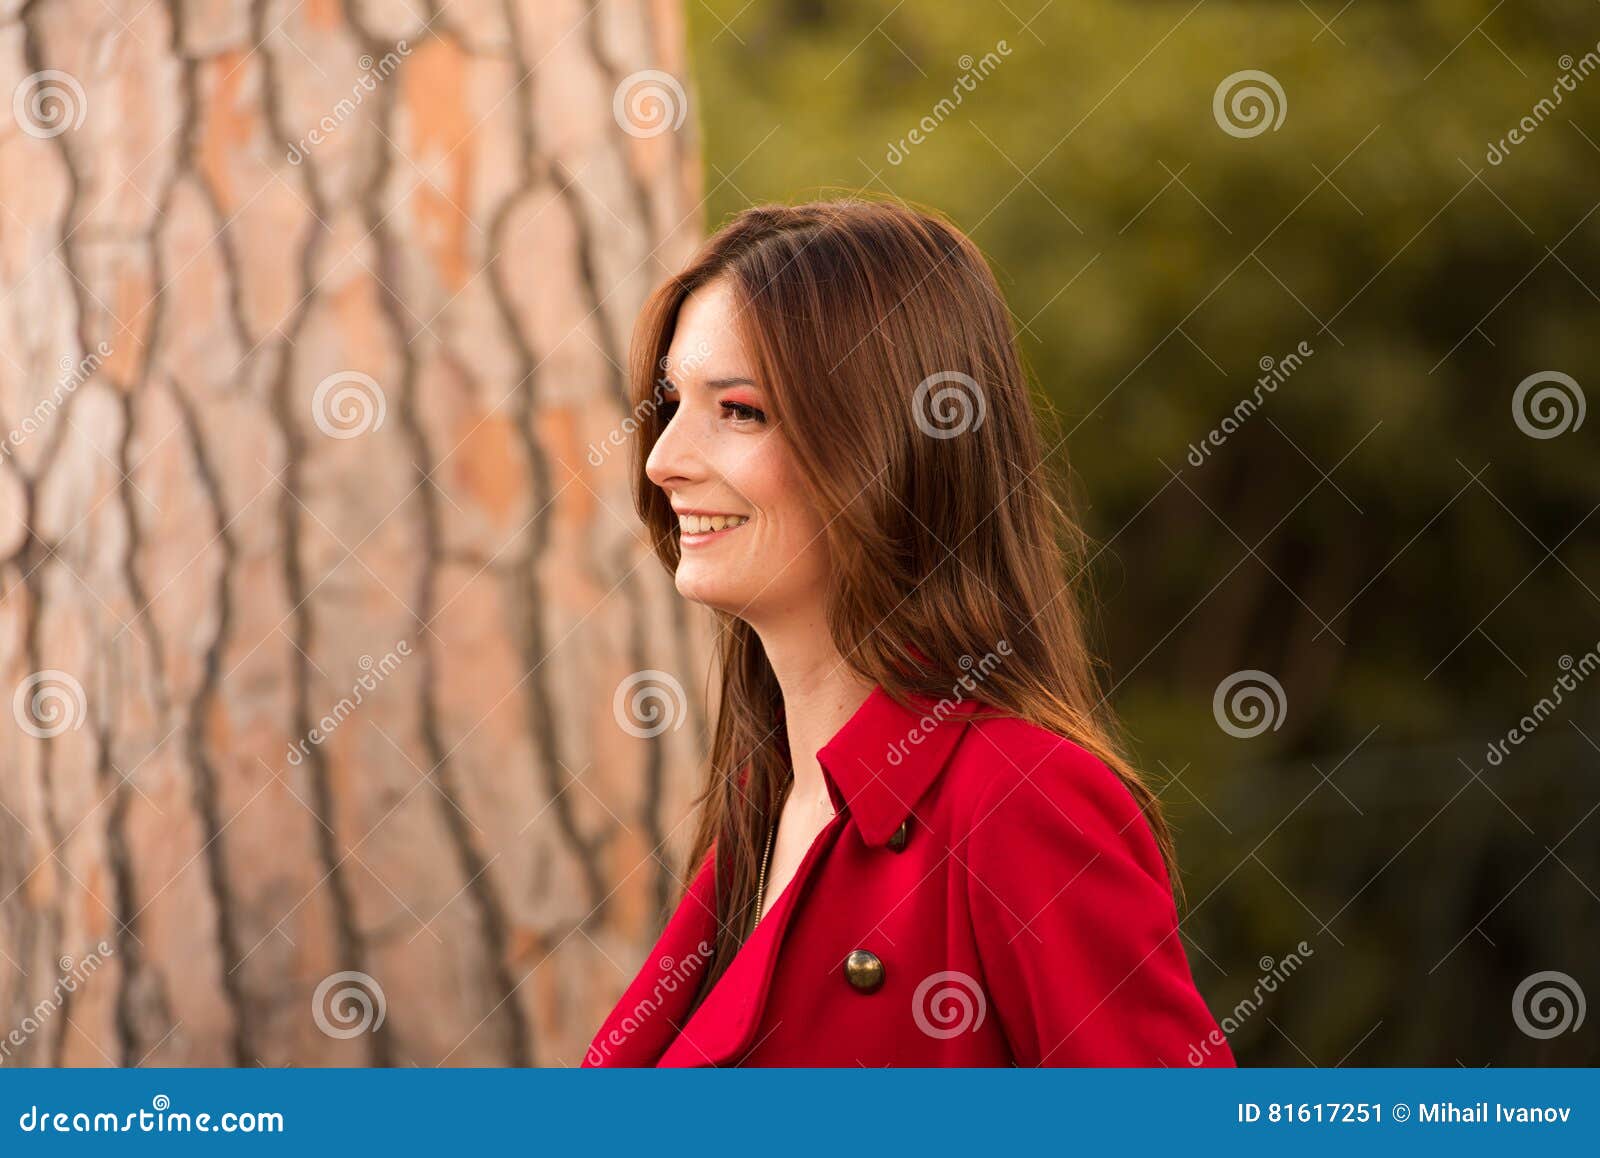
(703, 524)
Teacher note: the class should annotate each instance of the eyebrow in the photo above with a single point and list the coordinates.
(712, 383)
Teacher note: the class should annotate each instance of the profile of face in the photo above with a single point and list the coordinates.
(751, 538)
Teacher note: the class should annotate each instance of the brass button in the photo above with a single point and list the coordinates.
(897, 842)
(863, 970)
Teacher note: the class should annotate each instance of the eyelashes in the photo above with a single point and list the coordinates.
(744, 412)
(739, 411)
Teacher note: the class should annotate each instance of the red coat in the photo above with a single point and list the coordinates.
(1022, 915)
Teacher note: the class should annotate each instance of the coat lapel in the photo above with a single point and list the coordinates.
(879, 765)
(724, 1028)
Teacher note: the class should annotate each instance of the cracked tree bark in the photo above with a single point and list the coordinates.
(197, 539)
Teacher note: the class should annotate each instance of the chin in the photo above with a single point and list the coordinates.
(701, 588)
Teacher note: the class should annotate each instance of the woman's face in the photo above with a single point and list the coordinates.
(751, 540)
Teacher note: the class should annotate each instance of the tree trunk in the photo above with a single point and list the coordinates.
(320, 573)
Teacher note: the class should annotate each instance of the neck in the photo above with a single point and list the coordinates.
(820, 694)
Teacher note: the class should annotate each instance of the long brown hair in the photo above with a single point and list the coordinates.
(890, 366)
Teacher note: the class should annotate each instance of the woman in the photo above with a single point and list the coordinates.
(920, 843)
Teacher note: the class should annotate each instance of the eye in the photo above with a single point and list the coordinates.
(667, 408)
(743, 412)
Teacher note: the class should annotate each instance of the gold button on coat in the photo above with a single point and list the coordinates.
(897, 842)
(863, 970)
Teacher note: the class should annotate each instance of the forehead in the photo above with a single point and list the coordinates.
(706, 340)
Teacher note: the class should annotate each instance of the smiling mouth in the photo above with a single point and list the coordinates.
(696, 529)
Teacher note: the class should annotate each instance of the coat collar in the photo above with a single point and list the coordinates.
(880, 764)
(888, 754)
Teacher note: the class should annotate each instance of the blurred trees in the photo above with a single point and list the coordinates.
(1379, 533)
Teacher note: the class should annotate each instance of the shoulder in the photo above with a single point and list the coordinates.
(1002, 756)
(1016, 787)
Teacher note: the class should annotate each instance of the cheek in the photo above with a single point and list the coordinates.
(794, 532)
(771, 481)
(800, 528)
(786, 543)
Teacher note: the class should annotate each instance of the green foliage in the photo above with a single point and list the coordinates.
(1380, 534)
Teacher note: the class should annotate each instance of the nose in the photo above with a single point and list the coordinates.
(674, 460)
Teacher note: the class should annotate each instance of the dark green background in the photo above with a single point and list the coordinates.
(1381, 536)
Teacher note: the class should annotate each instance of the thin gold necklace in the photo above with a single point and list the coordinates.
(761, 879)
(766, 859)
